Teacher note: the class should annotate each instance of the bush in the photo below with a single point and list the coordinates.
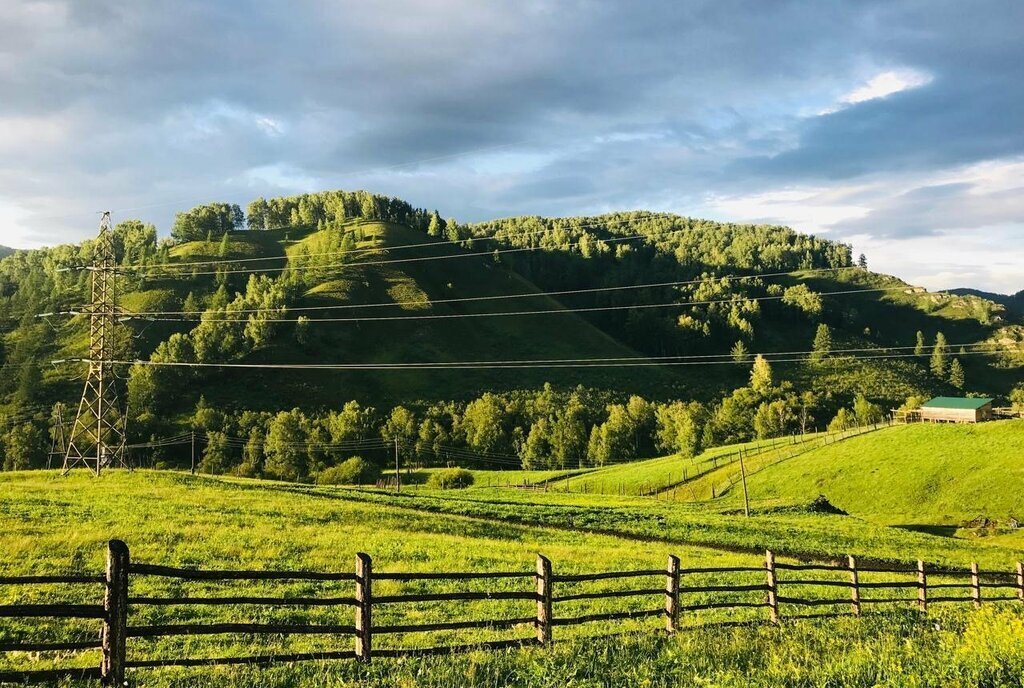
(450, 479)
(354, 471)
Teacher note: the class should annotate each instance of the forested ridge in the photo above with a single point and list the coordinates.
(354, 277)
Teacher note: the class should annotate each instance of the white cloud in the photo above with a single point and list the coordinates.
(881, 85)
(885, 84)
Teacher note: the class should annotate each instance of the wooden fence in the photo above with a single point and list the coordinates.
(680, 594)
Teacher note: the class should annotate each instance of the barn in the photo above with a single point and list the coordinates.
(956, 410)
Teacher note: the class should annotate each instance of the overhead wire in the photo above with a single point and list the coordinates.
(789, 357)
(498, 314)
(497, 297)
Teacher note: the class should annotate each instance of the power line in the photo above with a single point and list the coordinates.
(501, 314)
(552, 363)
(467, 299)
(396, 260)
(398, 247)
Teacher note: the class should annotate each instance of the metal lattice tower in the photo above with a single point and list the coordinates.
(97, 438)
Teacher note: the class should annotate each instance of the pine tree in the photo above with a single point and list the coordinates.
(740, 353)
(224, 245)
(938, 362)
(956, 374)
(862, 262)
(761, 375)
(919, 348)
(822, 344)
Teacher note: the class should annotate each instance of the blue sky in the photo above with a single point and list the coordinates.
(896, 126)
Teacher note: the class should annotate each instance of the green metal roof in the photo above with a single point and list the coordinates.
(956, 403)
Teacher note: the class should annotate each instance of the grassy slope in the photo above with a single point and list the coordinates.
(918, 474)
(362, 281)
(178, 519)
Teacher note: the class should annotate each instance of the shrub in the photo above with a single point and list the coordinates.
(354, 471)
(450, 479)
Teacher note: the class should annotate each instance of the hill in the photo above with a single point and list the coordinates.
(431, 316)
(5, 251)
(1014, 303)
(939, 476)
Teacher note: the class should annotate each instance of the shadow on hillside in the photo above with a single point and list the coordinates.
(929, 529)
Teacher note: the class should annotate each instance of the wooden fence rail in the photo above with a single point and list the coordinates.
(779, 585)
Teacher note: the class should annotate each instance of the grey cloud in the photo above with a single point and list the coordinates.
(159, 102)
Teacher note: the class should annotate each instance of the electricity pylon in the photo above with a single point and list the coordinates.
(97, 437)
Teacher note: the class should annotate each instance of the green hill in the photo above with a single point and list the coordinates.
(924, 475)
(5, 251)
(354, 278)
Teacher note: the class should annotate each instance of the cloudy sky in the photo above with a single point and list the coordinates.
(896, 126)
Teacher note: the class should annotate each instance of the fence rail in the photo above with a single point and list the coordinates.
(781, 586)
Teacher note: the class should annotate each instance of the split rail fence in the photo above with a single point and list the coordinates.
(680, 593)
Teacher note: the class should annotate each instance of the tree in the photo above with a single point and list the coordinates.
(536, 451)
(919, 347)
(805, 410)
(436, 226)
(862, 262)
(865, 412)
(761, 376)
(303, 333)
(24, 447)
(772, 418)
(216, 455)
(801, 297)
(285, 446)
(1017, 398)
(938, 360)
(739, 352)
(679, 428)
(206, 220)
(401, 424)
(956, 374)
(844, 420)
(258, 212)
(822, 346)
(483, 423)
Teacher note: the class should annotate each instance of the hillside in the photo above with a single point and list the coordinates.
(1014, 303)
(5, 251)
(938, 476)
(432, 316)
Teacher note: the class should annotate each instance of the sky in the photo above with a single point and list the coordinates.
(896, 126)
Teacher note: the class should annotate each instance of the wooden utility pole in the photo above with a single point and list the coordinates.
(746, 497)
(193, 471)
(398, 476)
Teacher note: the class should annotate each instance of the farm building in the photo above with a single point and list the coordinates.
(956, 410)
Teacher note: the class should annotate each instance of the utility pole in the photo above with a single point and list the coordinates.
(97, 438)
(398, 476)
(746, 498)
(193, 452)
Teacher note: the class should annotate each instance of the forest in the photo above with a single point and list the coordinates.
(227, 286)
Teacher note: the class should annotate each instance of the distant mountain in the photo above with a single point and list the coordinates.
(5, 251)
(1014, 302)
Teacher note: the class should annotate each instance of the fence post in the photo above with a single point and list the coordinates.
(1020, 581)
(364, 607)
(975, 585)
(672, 594)
(773, 597)
(543, 622)
(854, 585)
(922, 587)
(115, 614)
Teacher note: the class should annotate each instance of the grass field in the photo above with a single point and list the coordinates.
(939, 476)
(50, 524)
